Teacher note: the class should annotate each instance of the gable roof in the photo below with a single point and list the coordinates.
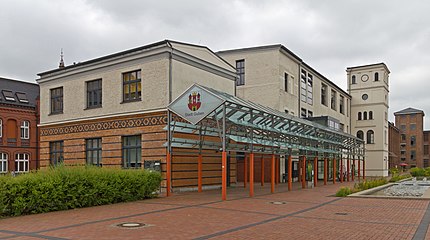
(409, 110)
(18, 93)
(198, 51)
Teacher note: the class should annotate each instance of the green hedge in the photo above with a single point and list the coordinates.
(64, 188)
(420, 172)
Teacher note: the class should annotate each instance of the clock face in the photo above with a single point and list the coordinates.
(364, 77)
(364, 97)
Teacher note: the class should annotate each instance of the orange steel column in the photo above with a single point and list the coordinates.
(359, 172)
(251, 175)
(364, 170)
(334, 170)
(315, 171)
(245, 170)
(199, 173)
(304, 172)
(325, 171)
(262, 170)
(272, 175)
(290, 172)
(341, 169)
(224, 175)
(168, 160)
(348, 170)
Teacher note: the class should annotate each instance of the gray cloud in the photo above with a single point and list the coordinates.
(328, 35)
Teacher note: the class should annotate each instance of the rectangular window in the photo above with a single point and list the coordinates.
(3, 162)
(132, 86)
(8, 95)
(21, 162)
(403, 152)
(310, 114)
(413, 140)
(310, 89)
(240, 71)
(57, 100)
(347, 108)
(403, 137)
(56, 152)
(413, 126)
(403, 127)
(94, 93)
(426, 149)
(426, 136)
(25, 130)
(303, 113)
(341, 104)
(286, 82)
(324, 94)
(93, 150)
(303, 92)
(22, 97)
(131, 152)
(1, 128)
(413, 155)
(333, 100)
(426, 163)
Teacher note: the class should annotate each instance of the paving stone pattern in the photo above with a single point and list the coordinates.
(304, 214)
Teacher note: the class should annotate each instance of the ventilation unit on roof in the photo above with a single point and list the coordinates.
(22, 97)
(8, 95)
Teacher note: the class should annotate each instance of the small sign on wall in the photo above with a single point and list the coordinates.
(195, 104)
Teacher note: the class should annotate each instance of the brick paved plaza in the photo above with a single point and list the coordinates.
(300, 214)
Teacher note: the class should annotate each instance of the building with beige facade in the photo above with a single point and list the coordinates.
(274, 76)
(368, 86)
(111, 111)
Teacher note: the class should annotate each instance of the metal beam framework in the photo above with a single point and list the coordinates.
(241, 126)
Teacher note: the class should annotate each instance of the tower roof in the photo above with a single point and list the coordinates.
(408, 110)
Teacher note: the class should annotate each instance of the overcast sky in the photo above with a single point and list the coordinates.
(328, 35)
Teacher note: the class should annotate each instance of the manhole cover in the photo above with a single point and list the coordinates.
(278, 203)
(341, 213)
(131, 225)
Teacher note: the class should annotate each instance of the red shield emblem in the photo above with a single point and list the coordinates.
(194, 101)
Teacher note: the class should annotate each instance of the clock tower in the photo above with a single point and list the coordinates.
(369, 87)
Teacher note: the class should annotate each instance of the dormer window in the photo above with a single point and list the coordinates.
(8, 95)
(22, 97)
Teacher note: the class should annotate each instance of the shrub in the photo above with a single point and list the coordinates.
(417, 172)
(343, 192)
(64, 188)
(396, 178)
(394, 171)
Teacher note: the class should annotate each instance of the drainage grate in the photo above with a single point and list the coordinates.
(341, 213)
(278, 203)
(131, 225)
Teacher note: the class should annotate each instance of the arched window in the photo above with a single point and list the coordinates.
(370, 137)
(365, 116)
(1, 128)
(359, 115)
(3, 162)
(353, 80)
(376, 76)
(360, 135)
(370, 115)
(21, 162)
(25, 130)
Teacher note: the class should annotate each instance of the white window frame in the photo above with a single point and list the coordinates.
(25, 130)
(3, 162)
(22, 157)
(1, 128)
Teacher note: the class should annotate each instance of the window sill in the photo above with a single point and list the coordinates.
(95, 107)
(129, 101)
(55, 113)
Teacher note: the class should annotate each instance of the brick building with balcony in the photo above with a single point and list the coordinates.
(19, 116)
